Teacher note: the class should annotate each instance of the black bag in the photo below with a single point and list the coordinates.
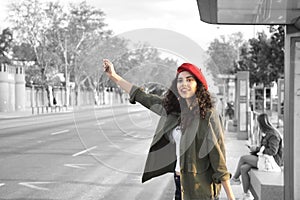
(254, 153)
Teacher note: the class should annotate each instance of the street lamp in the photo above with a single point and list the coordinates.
(32, 96)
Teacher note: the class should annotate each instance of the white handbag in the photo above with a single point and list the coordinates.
(266, 162)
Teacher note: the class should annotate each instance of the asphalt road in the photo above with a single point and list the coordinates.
(87, 154)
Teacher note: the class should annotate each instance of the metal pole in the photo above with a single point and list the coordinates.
(32, 96)
(66, 76)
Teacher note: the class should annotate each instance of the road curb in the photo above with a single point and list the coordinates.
(28, 112)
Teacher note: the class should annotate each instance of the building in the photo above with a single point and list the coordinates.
(268, 12)
(12, 87)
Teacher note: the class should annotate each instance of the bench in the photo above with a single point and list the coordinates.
(266, 185)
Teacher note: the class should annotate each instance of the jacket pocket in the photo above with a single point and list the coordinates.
(198, 166)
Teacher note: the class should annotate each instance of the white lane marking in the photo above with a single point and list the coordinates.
(100, 123)
(137, 114)
(33, 185)
(78, 166)
(60, 132)
(84, 151)
(2, 184)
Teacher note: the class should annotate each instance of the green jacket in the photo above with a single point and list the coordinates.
(202, 161)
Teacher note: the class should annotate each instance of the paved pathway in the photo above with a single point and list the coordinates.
(234, 149)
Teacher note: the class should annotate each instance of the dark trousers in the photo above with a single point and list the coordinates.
(178, 187)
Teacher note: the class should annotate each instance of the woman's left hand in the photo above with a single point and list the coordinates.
(262, 148)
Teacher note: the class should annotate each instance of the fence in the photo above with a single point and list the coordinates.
(39, 99)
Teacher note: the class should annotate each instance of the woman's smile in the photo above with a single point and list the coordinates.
(184, 89)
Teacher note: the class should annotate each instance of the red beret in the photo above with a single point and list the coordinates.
(195, 71)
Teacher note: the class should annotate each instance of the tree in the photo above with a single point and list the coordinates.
(264, 57)
(110, 47)
(254, 59)
(142, 60)
(58, 36)
(224, 53)
(29, 24)
(73, 41)
(85, 28)
(23, 52)
(5, 45)
(277, 51)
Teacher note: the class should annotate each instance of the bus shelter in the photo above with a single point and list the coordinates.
(271, 12)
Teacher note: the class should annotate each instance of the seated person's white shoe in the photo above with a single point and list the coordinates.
(247, 196)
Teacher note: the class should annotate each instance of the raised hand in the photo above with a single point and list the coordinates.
(108, 67)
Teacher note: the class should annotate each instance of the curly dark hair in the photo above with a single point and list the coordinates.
(173, 103)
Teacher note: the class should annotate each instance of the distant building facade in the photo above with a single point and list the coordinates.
(12, 87)
(15, 96)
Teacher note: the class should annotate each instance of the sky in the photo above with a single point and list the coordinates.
(173, 26)
(175, 15)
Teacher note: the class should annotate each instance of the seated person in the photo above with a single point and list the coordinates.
(271, 142)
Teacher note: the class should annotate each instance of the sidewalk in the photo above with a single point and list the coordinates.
(234, 150)
(28, 111)
(16, 114)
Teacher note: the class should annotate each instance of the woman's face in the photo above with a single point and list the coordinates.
(186, 85)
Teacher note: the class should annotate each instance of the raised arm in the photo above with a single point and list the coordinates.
(109, 69)
(150, 101)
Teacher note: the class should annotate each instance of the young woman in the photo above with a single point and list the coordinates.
(188, 140)
(272, 142)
